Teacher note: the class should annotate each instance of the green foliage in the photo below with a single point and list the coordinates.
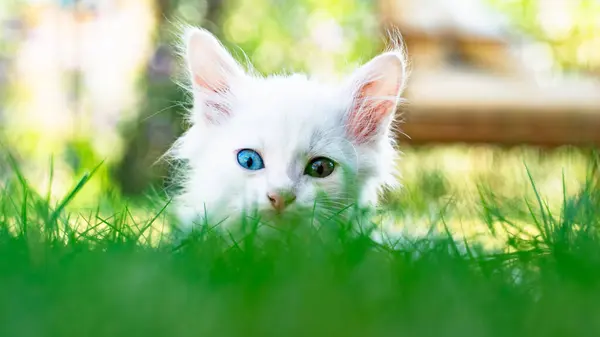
(568, 29)
(302, 35)
(110, 279)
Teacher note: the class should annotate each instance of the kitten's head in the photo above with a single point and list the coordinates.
(284, 142)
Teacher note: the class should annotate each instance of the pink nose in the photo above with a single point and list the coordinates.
(279, 201)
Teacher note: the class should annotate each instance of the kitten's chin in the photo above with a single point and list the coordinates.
(288, 216)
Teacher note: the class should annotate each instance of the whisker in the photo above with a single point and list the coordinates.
(175, 105)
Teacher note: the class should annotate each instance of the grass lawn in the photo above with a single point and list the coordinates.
(71, 272)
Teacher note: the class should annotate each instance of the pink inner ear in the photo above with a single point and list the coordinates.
(368, 114)
(218, 107)
(214, 101)
(218, 87)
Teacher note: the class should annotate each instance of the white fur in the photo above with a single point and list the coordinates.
(288, 120)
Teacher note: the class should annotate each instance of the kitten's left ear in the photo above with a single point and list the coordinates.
(376, 88)
(212, 68)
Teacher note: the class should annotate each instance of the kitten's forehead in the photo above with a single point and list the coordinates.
(290, 116)
(290, 97)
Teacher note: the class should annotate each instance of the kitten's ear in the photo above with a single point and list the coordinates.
(376, 88)
(212, 68)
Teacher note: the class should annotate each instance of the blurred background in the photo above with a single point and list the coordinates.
(495, 84)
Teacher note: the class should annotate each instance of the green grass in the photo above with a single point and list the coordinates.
(108, 271)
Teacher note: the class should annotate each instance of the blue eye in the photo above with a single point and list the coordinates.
(250, 160)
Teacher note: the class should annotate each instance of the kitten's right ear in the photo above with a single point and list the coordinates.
(376, 88)
(212, 68)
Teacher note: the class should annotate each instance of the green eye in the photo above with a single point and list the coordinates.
(319, 167)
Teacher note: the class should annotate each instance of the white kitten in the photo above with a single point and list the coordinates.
(282, 143)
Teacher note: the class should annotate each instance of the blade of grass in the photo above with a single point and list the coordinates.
(66, 200)
(151, 222)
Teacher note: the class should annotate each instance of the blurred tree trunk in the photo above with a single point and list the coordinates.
(159, 122)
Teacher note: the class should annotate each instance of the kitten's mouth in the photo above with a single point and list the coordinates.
(279, 217)
(271, 213)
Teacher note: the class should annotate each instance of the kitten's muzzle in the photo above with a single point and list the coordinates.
(280, 200)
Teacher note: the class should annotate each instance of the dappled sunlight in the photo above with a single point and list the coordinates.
(325, 38)
(75, 79)
(569, 29)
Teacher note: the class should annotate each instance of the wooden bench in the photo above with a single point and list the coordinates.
(451, 107)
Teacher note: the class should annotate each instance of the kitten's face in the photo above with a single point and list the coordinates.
(284, 140)
(281, 143)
